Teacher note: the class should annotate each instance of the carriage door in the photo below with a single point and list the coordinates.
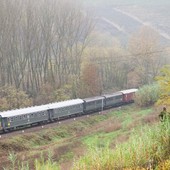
(51, 114)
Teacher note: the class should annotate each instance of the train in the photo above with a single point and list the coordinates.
(30, 116)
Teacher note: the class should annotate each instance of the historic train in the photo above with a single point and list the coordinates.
(19, 118)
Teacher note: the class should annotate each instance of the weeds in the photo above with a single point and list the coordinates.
(12, 158)
(145, 149)
(44, 165)
(39, 164)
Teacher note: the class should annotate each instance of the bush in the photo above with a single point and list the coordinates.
(147, 95)
(12, 98)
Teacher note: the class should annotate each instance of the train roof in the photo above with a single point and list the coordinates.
(113, 94)
(18, 112)
(65, 103)
(129, 91)
(93, 98)
(23, 111)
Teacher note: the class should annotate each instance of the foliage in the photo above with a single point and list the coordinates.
(48, 94)
(145, 60)
(45, 95)
(48, 164)
(90, 80)
(147, 95)
(39, 164)
(164, 81)
(145, 149)
(103, 131)
(48, 45)
(11, 98)
(164, 165)
(64, 93)
(12, 158)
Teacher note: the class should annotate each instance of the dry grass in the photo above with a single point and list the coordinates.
(150, 119)
(112, 126)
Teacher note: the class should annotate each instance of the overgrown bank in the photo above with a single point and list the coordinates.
(96, 142)
(147, 148)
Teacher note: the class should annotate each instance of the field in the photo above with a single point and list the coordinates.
(120, 19)
(62, 146)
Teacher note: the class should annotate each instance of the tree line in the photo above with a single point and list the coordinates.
(38, 41)
(50, 51)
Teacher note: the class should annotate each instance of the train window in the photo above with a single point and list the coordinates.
(98, 102)
(12, 119)
(32, 115)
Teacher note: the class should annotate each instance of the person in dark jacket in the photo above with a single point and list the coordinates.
(164, 115)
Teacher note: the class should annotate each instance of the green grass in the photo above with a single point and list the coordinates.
(100, 139)
(147, 147)
(98, 134)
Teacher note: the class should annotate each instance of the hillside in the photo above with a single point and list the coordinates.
(64, 144)
(122, 18)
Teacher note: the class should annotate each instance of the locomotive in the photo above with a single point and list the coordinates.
(24, 117)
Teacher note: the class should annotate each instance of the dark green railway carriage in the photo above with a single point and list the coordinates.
(112, 100)
(22, 117)
(93, 104)
(65, 109)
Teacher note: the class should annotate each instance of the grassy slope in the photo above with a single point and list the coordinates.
(72, 141)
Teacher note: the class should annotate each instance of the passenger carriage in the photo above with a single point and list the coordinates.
(22, 117)
(114, 99)
(94, 104)
(64, 109)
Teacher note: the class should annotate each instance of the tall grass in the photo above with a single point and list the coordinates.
(39, 164)
(145, 149)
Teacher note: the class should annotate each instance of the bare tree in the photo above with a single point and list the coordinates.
(41, 41)
(146, 54)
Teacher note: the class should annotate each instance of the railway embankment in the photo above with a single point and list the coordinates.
(78, 142)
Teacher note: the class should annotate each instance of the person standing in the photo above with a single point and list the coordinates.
(164, 115)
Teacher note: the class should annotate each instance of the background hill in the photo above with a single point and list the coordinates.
(120, 18)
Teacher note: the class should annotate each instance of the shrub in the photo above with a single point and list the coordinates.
(147, 95)
(11, 98)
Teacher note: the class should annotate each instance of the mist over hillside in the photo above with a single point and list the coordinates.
(121, 18)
